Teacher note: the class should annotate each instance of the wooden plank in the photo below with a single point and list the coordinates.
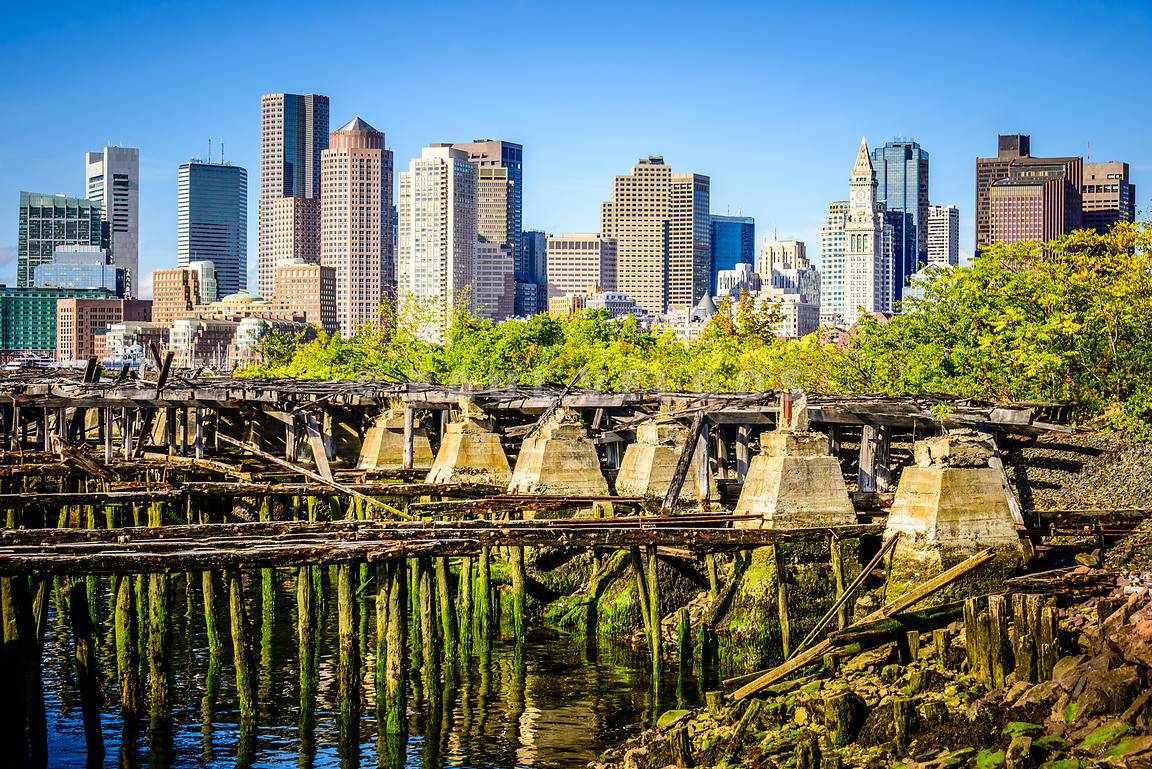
(316, 442)
(682, 465)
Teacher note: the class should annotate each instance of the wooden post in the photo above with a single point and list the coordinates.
(983, 641)
(397, 641)
(782, 600)
(447, 610)
(428, 616)
(703, 469)
(903, 712)
(87, 676)
(1047, 649)
(641, 591)
(883, 458)
(836, 548)
(464, 589)
(1025, 651)
(683, 464)
(109, 418)
(518, 596)
(45, 433)
(159, 649)
(941, 642)
(406, 451)
(997, 640)
(866, 467)
(654, 606)
(198, 415)
(722, 453)
(834, 440)
(713, 578)
(241, 652)
(170, 429)
(348, 667)
(127, 653)
(484, 594)
(684, 638)
(14, 435)
(211, 618)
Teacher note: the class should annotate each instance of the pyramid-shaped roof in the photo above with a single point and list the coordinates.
(863, 161)
(357, 124)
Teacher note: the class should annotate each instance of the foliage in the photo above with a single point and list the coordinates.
(1067, 321)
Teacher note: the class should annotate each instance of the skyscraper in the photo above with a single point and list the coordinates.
(212, 221)
(112, 179)
(438, 215)
(943, 236)
(901, 168)
(356, 222)
(866, 282)
(1108, 197)
(1039, 199)
(488, 155)
(1014, 160)
(578, 260)
(293, 133)
(48, 221)
(833, 260)
(733, 241)
(661, 224)
(531, 271)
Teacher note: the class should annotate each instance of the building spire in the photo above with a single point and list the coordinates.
(863, 161)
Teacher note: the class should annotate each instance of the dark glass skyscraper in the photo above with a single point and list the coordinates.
(212, 222)
(902, 185)
(733, 242)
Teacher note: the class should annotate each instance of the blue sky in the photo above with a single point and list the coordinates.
(769, 100)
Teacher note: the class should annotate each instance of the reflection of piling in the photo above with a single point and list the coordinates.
(484, 595)
(159, 650)
(517, 554)
(241, 653)
(87, 676)
(347, 668)
(127, 652)
(447, 610)
(654, 606)
(396, 643)
(306, 646)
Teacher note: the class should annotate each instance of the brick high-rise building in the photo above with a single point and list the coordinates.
(174, 292)
(308, 290)
(1014, 161)
(661, 225)
(356, 223)
(293, 133)
(79, 320)
(1108, 196)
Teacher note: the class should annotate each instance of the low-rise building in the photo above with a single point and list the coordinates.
(568, 305)
(743, 277)
(28, 318)
(308, 290)
(800, 316)
(121, 337)
(82, 267)
(615, 303)
(79, 321)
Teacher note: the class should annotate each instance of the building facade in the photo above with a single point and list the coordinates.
(174, 292)
(662, 228)
(82, 267)
(1039, 199)
(742, 278)
(531, 272)
(901, 168)
(438, 218)
(943, 236)
(356, 223)
(1108, 196)
(28, 318)
(212, 221)
(494, 288)
(80, 321)
(785, 265)
(500, 168)
(50, 221)
(733, 242)
(293, 133)
(577, 260)
(308, 290)
(833, 261)
(112, 180)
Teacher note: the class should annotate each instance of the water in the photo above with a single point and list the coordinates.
(553, 700)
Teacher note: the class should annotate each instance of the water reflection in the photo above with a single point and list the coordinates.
(549, 700)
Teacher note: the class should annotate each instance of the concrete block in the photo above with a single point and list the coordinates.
(383, 445)
(470, 452)
(558, 459)
(649, 463)
(793, 482)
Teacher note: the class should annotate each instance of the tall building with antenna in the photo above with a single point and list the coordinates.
(212, 221)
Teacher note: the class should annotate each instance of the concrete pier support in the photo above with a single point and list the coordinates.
(794, 482)
(383, 446)
(949, 506)
(649, 463)
(559, 458)
(471, 452)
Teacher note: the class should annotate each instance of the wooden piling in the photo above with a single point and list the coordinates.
(428, 617)
(397, 641)
(941, 642)
(1047, 643)
(211, 617)
(447, 610)
(348, 664)
(464, 591)
(836, 549)
(127, 652)
(654, 606)
(518, 597)
(1025, 647)
(641, 591)
(484, 593)
(684, 638)
(159, 649)
(997, 640)
(87, 675)
(743, 455)
(241, 652)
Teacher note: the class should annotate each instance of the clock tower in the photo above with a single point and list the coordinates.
(862, 187)
(868, 241)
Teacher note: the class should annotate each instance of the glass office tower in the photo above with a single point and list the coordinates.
(212, 222)
(47, 221)
(902, 185)
(733, 242)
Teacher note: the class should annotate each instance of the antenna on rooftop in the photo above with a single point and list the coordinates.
(209, 149)
(221, 152)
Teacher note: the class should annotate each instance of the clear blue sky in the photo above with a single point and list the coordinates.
(770, 100)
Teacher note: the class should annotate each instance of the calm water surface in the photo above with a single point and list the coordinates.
(554, 700)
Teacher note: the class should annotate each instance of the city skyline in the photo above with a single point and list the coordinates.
(954, 109)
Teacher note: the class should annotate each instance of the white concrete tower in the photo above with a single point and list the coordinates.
(112, 179)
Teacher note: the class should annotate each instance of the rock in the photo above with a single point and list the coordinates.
(1019, 753)
(1042, 694)
(1068, 666)
(1089, 559)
